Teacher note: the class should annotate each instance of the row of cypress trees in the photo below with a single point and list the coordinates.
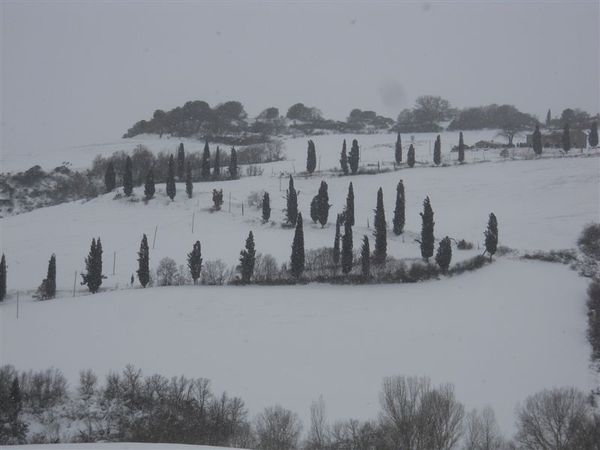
(179, 170)
(565, 139)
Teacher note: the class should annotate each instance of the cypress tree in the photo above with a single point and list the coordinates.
(266, 207)
(380, 232)
(323, 204)
(314, 209)
(398, 150)
(410, 156)
(461, 148)
(50, 284)
(149, 188)
(548, 118)
(247, 259)
(297, 258)
(291, 204)
(171, 188)
(110, 177)
(128, 178)
(427, 239)
(566, 139)
(491, 236)
(143, 271)
(537, 140)
(344, 159)
(93, 265)
(205, 171)
(437, 151)
(180, 162)
(354, 157)
(194, 261)
(593, 136)
(233, 164)
(311, 157)
(217, 198)
(347, 252)
(444, 254)
(365, 258)
(336, 241)
(399, 211)
(217, 168)
(349, 210)
(189, 186)
(3, 270)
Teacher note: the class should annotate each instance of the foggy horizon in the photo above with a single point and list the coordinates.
(128, 60)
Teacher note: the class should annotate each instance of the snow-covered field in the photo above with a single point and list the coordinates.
(499, 334)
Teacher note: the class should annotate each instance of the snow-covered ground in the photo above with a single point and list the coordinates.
(499, 334)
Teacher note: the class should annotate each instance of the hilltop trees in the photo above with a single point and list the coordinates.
(194, 261)
(291, 211)
(3, 270)
(93, 266)
(189, 186)
(437, 151)
(399, 211)
(205, 167)
(344, 159)
(461, 148)
(398, 149)
(128, 178)
(410, 156)
(149, 188)
(491, 236)
(380, 232)
(593, 136)
(444, 254)
(233, 164)
(297, 258)
(427, 238)
(566, 138)
(110, 177)
(349, 210)
(354, 157)
(171, 189)
(365, 258)
(247, 259)
(143, 271)
(266, 207)
(424, 117)
(311, 157)
(347, 252)
(180, 162)
(537, 141)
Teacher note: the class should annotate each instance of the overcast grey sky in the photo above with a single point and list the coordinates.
(83, 72)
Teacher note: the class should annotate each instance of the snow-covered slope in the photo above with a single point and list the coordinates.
(499, 334)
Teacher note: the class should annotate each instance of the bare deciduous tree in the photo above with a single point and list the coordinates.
(319, 435)
(278, 429)
(482, 431)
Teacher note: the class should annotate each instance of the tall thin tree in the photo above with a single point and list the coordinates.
(399, 211)
(266, 207)
(143, 271)
(50, 285)
(323, 206)
(149, 187)
(410, 156)
(110, 177)
(344, 159)
(297, 258)
(349, 209)
(291, 210)
(347, 248)
(336, 241)
(93, 277)
(427, 239)
(189, 185)
(217, 165)
(171, 188)
(491, 236)
(354, 156)
(548, 118)
(311, 157)
(537, 141)
(461, 148)
(247, 259)
(365, 258)
(205, 168)
(380, 232)
(566, 138)
(437, 151)
(194, 261)
(180, 162)
(3, 271)
(233, 164)
(444, 254)
(398, 149)
(593, 136)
